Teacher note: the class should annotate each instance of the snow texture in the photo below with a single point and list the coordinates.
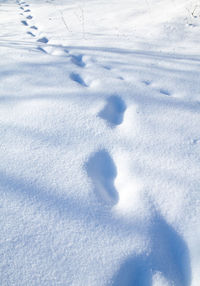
(100, 143)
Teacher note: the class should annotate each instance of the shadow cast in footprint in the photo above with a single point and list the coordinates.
(146, 82)
(34, 27)
(78, 60)
(113, 111)
(31, 34)
(102, 171)
(43, 40)
(24, 23)
(169, 256)
(134, 272)
(41, 50)
(78, 79)
(165, 92)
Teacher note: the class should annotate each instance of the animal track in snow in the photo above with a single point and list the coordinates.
(165, 92)
(29, 17)
(34, 27)
(31, 34)
(43, 40)
(53, 50)
(41, 50)
(102, 171)
(77, 78)
(120, 77)
(24, 23)
(78, 60)
(107, 68)
(113, 111)
(195, 141)
(146, 82)
(28, 10)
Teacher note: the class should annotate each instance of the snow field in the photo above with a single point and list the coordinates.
(99, 169)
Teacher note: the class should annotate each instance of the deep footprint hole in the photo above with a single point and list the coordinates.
(78, 60)
(102, 171)
(31, 34)
(34, 27)
(24, 23)
(113, 111)
(165, 92)
(77, 78)
(43, 40)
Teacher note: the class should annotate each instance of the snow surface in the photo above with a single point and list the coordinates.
(100, 142)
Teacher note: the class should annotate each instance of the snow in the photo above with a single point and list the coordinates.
(100, 143)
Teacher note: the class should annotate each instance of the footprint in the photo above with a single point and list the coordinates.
(29, 17)
(102, 171)
(77, 78)
(28, 10)
(169, 256)
(133, 272)
(114, 110)
(34, 27)
(26, 5)
(41, 50)
(107, 68)
(146, 82)
(21, 8)
(165, 92)
(43, 40)
(78, 60)
(31, 34)
(195, 141)
(24, 23)
(120, 77)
